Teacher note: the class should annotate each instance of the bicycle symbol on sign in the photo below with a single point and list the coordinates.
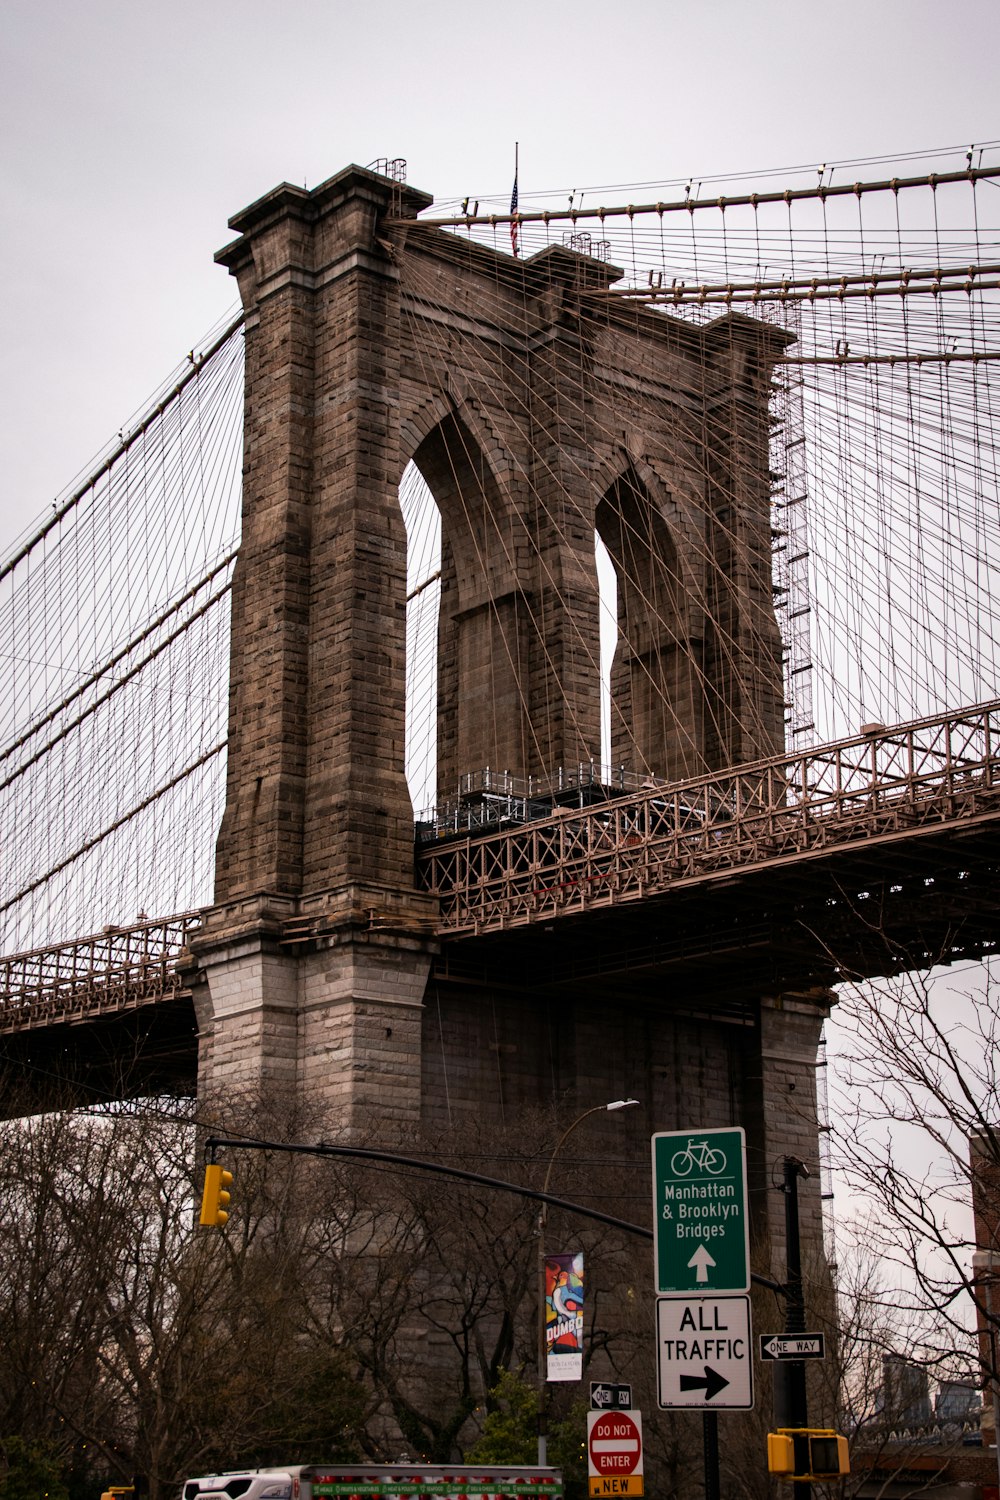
(700, 1154)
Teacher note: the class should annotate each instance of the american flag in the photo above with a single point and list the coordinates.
(513, 227)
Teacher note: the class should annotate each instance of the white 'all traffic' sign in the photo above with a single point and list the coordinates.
(703, 1353)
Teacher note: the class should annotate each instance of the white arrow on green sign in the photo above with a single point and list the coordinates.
(702, 1235)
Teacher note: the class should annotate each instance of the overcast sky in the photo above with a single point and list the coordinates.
(132, 131)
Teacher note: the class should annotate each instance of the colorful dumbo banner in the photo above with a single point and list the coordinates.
(564, 1317)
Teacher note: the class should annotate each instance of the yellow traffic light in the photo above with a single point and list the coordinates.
(828, 1456)
(215, 1198)
(780, 1453)
(811, 1453)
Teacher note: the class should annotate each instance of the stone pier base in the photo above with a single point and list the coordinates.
(321, 1001)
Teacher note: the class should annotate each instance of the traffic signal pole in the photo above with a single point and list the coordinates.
(787, 1412)
(420, 1164)
(790, 1402)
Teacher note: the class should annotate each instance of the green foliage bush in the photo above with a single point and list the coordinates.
(30, 1471)
(510, 1433)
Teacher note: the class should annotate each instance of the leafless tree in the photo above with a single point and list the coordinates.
(130, 1337)
(345, 1309)
(916, 1122)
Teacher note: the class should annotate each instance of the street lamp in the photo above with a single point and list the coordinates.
(542, 1219)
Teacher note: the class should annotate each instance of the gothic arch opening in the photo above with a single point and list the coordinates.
(422, 520)
(657, 688)
(468, 656)
(607, 588)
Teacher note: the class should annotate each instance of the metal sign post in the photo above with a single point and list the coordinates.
(701, 1248)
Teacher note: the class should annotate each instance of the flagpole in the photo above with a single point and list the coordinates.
(515, 248)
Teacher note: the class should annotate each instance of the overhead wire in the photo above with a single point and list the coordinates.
(885, 565)
(929, 247)
(119, 589)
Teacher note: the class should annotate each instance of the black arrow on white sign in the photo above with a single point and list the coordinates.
(711, 1382)
(793, 1346)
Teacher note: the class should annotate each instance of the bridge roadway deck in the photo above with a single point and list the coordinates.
(871, 855)
(878, 788)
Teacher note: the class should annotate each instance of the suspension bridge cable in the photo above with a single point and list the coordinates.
(61, 511)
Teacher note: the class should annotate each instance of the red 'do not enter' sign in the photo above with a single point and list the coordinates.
(615, 1444)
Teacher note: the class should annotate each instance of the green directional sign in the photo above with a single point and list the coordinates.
(702, 1236)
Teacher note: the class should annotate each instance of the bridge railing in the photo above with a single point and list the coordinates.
(883, 782)
(111, 970)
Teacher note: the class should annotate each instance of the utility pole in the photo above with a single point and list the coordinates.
(790, 1404)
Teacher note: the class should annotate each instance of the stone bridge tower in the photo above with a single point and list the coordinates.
(540, 411)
